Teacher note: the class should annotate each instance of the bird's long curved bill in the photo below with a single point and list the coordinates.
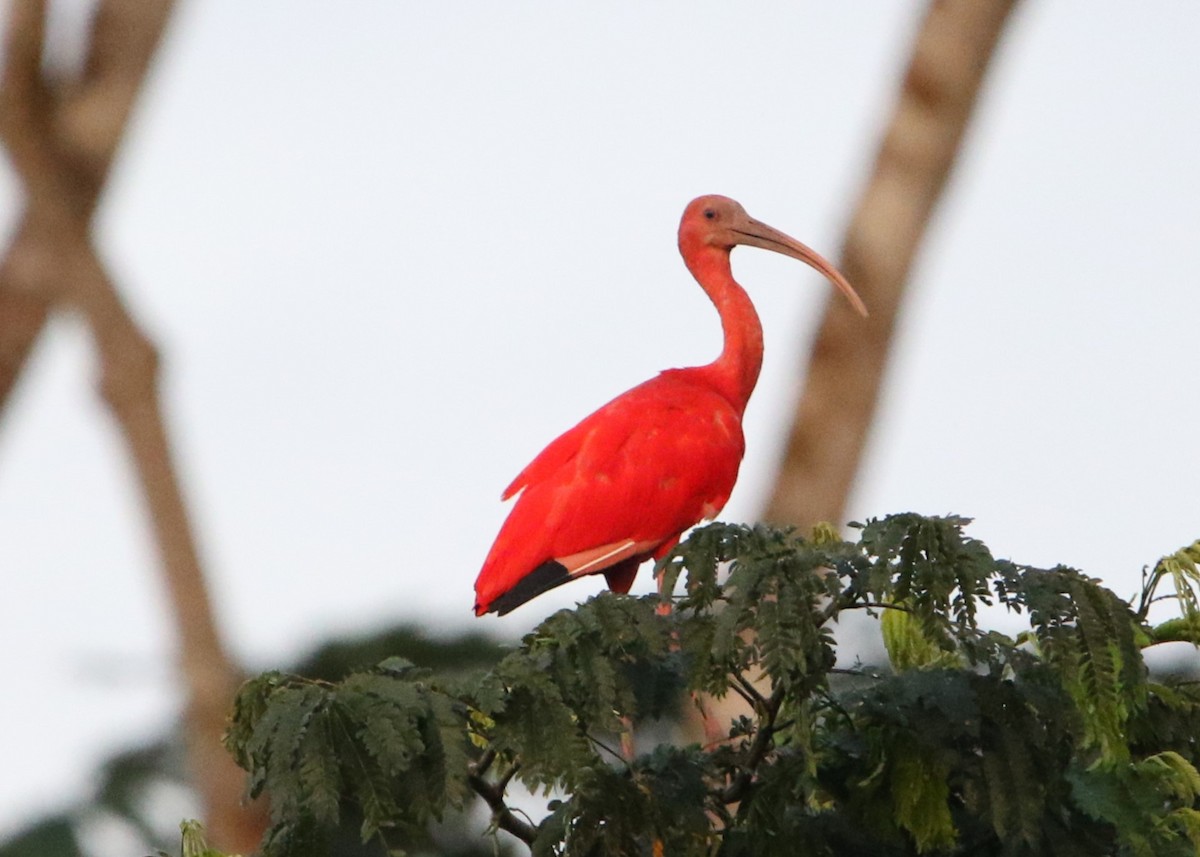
(756, 234)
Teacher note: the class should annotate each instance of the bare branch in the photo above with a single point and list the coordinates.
(506, 777)
(92, 117)
(24, 127)
(484, 762)
(748, 691)
(846, 365)
(493, 796)
(23, 317)
(24, 107)
(62, 138)
(743, 691)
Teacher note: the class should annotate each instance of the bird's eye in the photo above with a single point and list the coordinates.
(710, 214)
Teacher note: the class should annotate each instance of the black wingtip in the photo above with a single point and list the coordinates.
(545, 577)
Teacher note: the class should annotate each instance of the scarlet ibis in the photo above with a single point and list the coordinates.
(622, 485)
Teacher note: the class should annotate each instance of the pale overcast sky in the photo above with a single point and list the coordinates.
(390, 250)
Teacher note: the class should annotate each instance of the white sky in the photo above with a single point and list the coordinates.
(391, 250)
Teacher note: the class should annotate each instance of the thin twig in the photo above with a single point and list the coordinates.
(854, 672)
(740, 690)
(616, 754)
(749, 692)
(846, 601)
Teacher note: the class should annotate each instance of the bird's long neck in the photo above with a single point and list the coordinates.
(735, 372)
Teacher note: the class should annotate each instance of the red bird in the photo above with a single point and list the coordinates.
(622, 486)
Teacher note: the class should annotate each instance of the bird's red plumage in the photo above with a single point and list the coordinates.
(623, 484)
(645, 467)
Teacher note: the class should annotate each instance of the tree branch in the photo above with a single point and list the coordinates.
(62, 138)
(763, 737)
(846, 364)
(22, 318)
(493, 796)
(22, 126)
(749, 692)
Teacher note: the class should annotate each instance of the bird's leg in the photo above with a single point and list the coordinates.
(664, 603)
(713, 733)
(628, 750)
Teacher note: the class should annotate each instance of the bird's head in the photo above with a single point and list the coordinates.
(718, 222)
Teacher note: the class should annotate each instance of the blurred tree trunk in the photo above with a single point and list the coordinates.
(951, 53)
(62, 134)
(22, 317)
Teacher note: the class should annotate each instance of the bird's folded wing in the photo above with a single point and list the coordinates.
(599, 558)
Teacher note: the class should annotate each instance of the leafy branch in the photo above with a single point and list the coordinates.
(974, 742)
(1182, 569)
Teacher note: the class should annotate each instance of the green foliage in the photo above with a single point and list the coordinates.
(54, 835)
(1089, 635)
(907, 643)
(129, 785)
(1182, 569)
(1054, 742)
(1153, 802)
(193, 843)
(123, 784)
(384, 740)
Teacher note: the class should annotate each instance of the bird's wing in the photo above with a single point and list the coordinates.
(634, 474)
(558, 453)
